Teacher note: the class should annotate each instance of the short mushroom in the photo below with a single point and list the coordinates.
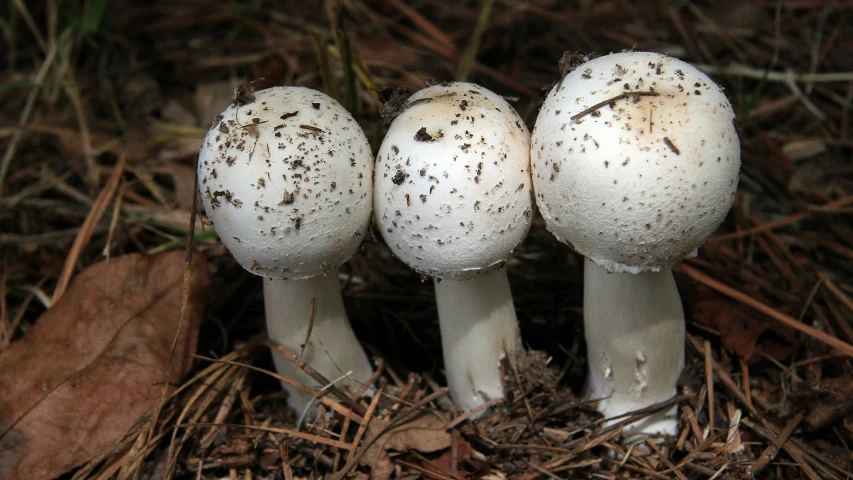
(453, 201)
(285, 175)
(635, 160)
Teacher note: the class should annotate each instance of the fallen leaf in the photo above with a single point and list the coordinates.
(91, 366)
(742, 331)
(424, 433)
(440, 463)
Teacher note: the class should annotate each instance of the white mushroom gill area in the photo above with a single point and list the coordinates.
(289, 176)
(635, 159)
(453, 186)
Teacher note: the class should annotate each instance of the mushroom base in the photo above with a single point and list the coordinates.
(634, 328)
(332, 349)
(479, 333)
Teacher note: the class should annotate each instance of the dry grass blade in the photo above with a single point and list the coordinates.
(287, 431)
(359, 434)
(313, 391)
(88, 227)
(11, 148)
(469, 57)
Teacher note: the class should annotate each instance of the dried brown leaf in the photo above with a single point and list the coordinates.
(90, 367)
(742, 331)
(424, 433)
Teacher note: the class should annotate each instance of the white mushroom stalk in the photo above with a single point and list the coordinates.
(285, 176)
(634, 328)
(453, 201)
(635, 159)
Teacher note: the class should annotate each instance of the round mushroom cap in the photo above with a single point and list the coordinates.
(286, 178)
(635, 160)
(453, 187)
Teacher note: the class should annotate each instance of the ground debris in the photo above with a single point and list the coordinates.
(766, 384)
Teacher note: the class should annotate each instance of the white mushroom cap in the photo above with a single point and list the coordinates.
(287, 181)
(453, 187)
(639, 182)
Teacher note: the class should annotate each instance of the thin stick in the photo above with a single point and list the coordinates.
(725, 378)
(789, 321)
(709, 380)
(797, 217)
(611, 101)
(328, 386)
(88, 228)
(363, 427)
(769, 453)
(833, 288)
(311, 317)
(185, 295)
(305, 436)
(12, 146)
(285, 461)
(747, 390)
(665, 460)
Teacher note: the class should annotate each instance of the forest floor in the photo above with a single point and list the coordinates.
(104, 105)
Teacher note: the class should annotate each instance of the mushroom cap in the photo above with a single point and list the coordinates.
(635, 182)
(453, 187)
(286, 179)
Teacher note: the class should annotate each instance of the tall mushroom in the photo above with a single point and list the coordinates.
(285, 175)
(453, 201)
(635, 161)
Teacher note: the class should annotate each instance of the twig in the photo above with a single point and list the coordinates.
(709, 381)
(665, 460)
(833, 288)
(769, 453)
(363, 427)
(287, 431)
(725, 378)
(88, 228)
(289, 355)
(311, 317)
(611, 101)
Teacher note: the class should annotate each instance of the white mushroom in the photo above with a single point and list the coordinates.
(635, 160)
(286, 178)
(453, 201)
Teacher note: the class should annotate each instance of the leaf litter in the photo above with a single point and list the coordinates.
(766, 386)
(90, 367)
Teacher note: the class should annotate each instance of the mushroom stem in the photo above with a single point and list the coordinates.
(332, 349)
(479, 331)
(634, 325)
